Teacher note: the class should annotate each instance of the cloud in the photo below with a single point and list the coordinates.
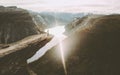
(19, 2)
(64, 5)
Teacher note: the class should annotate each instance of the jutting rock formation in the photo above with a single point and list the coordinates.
(20, 38)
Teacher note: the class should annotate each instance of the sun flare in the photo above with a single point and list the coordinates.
(62, 57)
(58, 32)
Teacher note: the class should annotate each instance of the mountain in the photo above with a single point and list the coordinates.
(20, 38)
(51, 19)
(80, 21)
(91, 49)
(16, 24)
(38, 20)
(61, 18)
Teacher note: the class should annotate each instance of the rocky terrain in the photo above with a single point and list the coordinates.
(15, 24)
(20, 38)
(38, 20)
(91, 49)
(77, 22)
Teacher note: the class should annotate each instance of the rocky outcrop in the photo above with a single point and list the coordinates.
(74, 23)
(16, 24)
(13, 58)
(77, 22)
(38, 20)
(20, 38)
(92, 49)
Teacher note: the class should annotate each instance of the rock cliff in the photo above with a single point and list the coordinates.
(20, 38)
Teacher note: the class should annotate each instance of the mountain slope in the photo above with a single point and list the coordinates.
(16, 24)
(91, 49)
(20, 38)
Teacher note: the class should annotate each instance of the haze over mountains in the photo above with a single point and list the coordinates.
(50, 19)
(47, 19)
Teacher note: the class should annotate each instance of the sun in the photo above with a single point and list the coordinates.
(56, 31)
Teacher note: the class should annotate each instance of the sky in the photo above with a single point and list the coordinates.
(65, 5)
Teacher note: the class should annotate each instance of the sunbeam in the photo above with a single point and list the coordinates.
(62, 56)
(58, 33)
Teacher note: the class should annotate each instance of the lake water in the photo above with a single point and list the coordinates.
(58, 36)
